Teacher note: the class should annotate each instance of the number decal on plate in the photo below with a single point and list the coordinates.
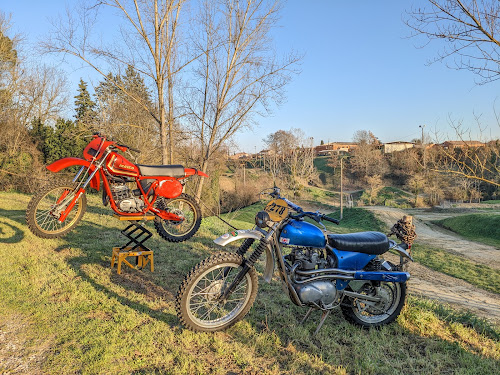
(277, 209)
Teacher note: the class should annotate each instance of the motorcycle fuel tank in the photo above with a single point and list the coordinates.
(118, 165)
(301, 233)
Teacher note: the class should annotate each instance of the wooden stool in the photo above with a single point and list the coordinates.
(137, 235)
(143, 258)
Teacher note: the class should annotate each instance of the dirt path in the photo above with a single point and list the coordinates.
(442, 238)
(436, 285)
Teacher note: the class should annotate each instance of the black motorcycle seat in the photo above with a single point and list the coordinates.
(374, 243)
(162, 170)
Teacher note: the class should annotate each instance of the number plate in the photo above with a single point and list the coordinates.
(277, 209)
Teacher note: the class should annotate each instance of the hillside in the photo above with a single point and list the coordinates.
(65, 311)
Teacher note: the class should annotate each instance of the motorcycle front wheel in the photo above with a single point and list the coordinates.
(367, 313)
(45, 208)
(184, 206)
(198, 302)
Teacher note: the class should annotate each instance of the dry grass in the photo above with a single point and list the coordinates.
(64, 311)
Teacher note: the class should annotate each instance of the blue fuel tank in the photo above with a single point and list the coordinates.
(301, 233)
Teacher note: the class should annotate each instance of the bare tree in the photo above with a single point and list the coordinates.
(474, 160)
(238, 75)
(367, 159)
(26, 92)
(470, 29)
(149, 43)
(375, 184)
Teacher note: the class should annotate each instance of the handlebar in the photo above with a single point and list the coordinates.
(316, 216)
(128, 147)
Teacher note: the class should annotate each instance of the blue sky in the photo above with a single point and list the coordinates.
(360, 72)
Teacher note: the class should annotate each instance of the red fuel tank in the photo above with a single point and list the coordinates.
(118, 165)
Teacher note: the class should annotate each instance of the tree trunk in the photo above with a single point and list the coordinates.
(201, 181)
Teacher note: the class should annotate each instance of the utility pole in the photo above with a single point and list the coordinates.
(422, 144)
(341, 188)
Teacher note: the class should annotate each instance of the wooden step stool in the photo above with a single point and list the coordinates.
(137, 235)
(143, 258)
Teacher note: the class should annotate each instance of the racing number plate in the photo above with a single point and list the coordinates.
(277, 209)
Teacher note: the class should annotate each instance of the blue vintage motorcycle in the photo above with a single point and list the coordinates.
(318, 270)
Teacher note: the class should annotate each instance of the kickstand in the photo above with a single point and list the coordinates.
(307, 315)
(322, 320)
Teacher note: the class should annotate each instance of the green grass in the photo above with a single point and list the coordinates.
(457, 266)
(483, 228)
(65, 311)
(245, 217)
(493, 201)
(355, 220)
(321, 164)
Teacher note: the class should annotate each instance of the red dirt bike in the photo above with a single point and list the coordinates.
(59, 206)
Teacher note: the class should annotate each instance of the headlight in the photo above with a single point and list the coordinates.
(261, 219)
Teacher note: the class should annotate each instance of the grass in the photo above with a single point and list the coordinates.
(355, 220)
(321, 164)
(65, 311)
(483, 228)
(457, 266)
(492, 201)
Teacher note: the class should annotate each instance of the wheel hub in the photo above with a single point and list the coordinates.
(214, 290)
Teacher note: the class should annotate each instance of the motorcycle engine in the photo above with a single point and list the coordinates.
(124, 199)
(321, 293)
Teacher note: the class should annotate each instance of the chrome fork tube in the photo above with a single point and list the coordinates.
(97, 168)
(78, 174)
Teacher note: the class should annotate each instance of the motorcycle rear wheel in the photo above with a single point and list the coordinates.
(368, 314)
(40, 216)
(177, 231)
(197, 303)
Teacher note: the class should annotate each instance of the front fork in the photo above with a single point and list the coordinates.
(247, 263)
(71, 199)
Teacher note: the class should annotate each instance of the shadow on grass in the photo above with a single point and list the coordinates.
(96, 242)
(272, 329)
(9, 233)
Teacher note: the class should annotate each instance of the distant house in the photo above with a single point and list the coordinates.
(390, 147)
(450, 145)
(266, 153)
(239, 155)
(334, 148)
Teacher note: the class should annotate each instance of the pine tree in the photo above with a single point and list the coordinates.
(84, 106)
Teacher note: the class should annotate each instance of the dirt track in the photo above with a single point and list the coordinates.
(436, 285)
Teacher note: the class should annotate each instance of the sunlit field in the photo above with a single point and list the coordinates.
(64, 310)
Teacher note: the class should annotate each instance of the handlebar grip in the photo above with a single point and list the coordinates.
(128, 147)
(332, 220)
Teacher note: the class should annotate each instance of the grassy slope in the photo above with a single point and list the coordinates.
(457, 266)
(483, 228)
(70, 313)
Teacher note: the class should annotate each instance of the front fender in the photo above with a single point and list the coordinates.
(64, 163)
(250, 233)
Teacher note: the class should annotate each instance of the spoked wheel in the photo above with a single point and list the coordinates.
(46, 207)
(368, 313)
(198, 302)
(177, 231)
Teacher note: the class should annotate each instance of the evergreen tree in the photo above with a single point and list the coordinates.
(85, 107)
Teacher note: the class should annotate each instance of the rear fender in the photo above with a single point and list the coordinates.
(402, 252)
(64, 163)
(255, 234)
(193, 171)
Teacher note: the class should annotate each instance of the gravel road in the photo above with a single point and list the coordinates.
(436, 285)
